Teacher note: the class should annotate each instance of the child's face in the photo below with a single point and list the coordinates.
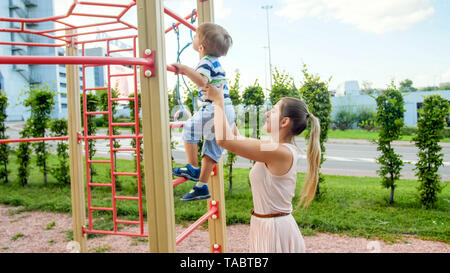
(196, 44)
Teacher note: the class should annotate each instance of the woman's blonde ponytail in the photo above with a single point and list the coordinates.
(313, 158)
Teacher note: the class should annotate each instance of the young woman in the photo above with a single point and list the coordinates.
(273, 177)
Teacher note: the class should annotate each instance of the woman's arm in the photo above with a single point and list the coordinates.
(253, 149)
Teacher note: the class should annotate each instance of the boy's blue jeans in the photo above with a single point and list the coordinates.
(202, 124)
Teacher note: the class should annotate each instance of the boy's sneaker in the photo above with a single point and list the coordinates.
(188, 172)
(197, 193)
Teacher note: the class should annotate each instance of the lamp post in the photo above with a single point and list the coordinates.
(267, 7)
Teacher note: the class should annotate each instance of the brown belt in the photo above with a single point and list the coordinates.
(268, 215)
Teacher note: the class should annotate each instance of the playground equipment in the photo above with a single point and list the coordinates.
(155, 118)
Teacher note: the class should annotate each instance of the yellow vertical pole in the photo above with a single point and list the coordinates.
(216, 227)
(75, 149)
(155, 123)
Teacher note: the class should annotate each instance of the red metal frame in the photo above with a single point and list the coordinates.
(147, 62)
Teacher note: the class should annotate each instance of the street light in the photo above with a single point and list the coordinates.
(267, 7)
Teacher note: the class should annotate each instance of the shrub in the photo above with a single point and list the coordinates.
(4, 148)
(58, 128)
(390, 114)
(283, 86)
(41, 102)
(366, 118)
(23, 157)
(315, 94)
(344, 119)
(430, 124)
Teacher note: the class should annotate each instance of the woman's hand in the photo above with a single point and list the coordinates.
(213, 93)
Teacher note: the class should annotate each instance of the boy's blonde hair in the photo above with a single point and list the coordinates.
(215, 39)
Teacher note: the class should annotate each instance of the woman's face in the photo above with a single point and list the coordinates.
(273, 118)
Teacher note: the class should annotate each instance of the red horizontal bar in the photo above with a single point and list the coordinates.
(94, 15)
(123, 99)
(127, 198)
(179, 19)
(122, 75)
(100, 208)
(36, 139)
(122, 173)
(99, 185)
(178, 124)
(97, 113)
(74, 60)
(128, 222)
(124, 124)
(179, 181)
(99, 161)
(194, 226)
(107, 39)
(109, 137)
(114, 233)
(31, 44)
(124, 149)
(96, 89)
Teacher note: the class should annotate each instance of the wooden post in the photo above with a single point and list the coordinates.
(155, 123)
(218, 227)
(205, 11)
(75, 150)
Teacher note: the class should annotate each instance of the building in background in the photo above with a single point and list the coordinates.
(348, 88)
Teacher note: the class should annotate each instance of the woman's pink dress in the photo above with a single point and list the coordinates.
(273, 194)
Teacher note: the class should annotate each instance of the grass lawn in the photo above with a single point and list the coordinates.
(354, 206)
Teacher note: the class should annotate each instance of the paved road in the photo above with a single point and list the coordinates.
(343, 157)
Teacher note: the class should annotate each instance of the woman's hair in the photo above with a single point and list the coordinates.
(297, 111)
(215, 39)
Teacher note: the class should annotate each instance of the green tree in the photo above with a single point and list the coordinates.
(4, 148)
(315, 94)
(236, 100)
(41, 102)
(283, 86)
(390, 112)
(430, 127)
(61, 172)
(23, 153)
(407, 86)
(253, 99)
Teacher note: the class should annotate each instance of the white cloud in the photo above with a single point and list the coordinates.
(377, 16)
(446, 76)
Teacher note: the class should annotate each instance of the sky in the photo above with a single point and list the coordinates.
(363, 40)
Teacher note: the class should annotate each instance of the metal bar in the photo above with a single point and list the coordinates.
(128, 222)
(109, 137)
(122, 99)
(51, 60)
(100, 208)
(179, 181)
(99, 185)
(37, 139)
(32, 44)
(196, 224)
(96, 113)
(102, 4)
(124, 124)
(115, 233)
(177, 24)
(99, 161)
(122, 75)
(125, 174)
(121, 50)
(106, 39)
(124, 150)
(95, 89)
(179, 19)
(127, 197)
(178, 124)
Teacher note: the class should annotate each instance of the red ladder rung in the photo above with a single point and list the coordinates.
(99, 185)
(124, 124)
(179, 180)
(99, 161)
(97, 113)
(127, 197)
(128, 222)
(122, 173)
(96, 89)
(124, 149)
(123, 99)
(100, 208)
(106, 232)
(122, 75)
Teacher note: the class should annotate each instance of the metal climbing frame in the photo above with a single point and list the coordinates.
(72, 38)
